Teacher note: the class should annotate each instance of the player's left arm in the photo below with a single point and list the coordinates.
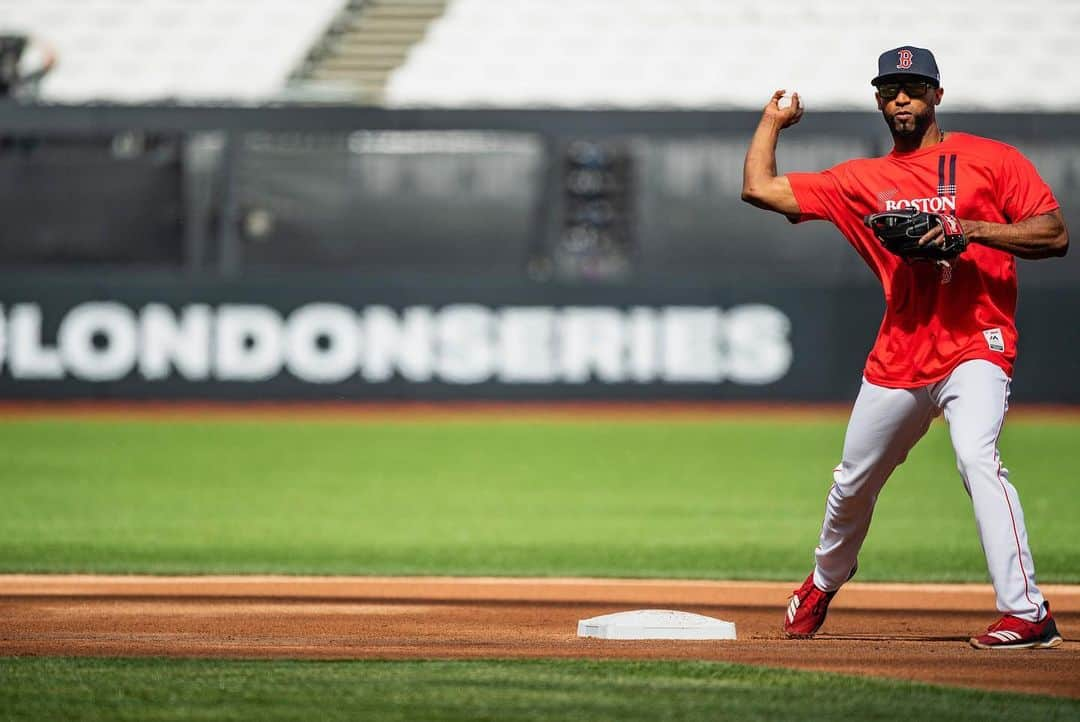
(1041, 236)
(1022, 193)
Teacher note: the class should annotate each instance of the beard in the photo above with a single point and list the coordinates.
(913, 127)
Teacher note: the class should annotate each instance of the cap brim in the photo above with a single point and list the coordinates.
(898, 76)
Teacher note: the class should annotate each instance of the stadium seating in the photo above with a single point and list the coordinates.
(733, 53)
(565, 53)
(184, 50)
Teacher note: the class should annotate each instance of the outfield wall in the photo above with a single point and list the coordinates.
(290, 337)
(366, 253)
(570, 196)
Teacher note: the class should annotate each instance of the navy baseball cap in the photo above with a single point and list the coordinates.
(907, 60)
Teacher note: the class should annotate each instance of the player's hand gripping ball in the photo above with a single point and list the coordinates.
(900, 232)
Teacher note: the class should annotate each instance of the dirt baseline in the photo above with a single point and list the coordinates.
(916, 632)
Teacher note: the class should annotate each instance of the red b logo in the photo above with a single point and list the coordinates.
(905, 60)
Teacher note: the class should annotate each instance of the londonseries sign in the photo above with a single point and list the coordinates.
(103, 341)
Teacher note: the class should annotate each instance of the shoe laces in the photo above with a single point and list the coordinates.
(821, 600)
(813, 596)
(1009, 622)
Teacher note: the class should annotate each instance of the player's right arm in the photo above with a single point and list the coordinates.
(762, 187)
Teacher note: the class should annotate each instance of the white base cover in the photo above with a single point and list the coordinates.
(655, 624)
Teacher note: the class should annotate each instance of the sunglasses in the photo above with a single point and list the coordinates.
(911, 88)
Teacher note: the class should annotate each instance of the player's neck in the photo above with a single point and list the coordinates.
(908, 143)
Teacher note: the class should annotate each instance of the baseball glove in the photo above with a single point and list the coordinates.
(899, 231)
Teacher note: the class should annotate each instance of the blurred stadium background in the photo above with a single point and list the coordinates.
(476, 198)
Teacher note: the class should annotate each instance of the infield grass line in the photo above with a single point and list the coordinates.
(154, 690)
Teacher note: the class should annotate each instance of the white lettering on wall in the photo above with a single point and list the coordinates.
(398, 343)
(526, 338)
(248, 343)
(466, 344)
(325, 343)
(642, 338)
(691, 345)
(759, 346)
(322, 343)
(28, 358)
(167, 342)
(593, 344)
(98, 341)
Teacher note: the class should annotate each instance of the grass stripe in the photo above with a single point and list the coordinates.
(563, 690)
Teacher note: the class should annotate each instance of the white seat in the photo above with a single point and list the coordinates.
(714, 54)
(132, 50)
(585, 53)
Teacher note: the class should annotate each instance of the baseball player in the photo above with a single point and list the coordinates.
(948, 340)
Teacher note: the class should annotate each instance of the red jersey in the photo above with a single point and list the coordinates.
(936, 317)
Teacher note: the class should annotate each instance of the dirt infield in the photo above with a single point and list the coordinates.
(916, 632)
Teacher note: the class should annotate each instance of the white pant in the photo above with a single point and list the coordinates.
(885, 424)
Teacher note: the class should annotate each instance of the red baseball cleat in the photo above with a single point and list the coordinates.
(806, 610)
(1011, 632)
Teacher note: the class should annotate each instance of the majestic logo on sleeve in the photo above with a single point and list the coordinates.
(904, 60)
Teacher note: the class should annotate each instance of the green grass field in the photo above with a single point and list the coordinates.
(700, 499)
(736, 500)
(151, 690)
